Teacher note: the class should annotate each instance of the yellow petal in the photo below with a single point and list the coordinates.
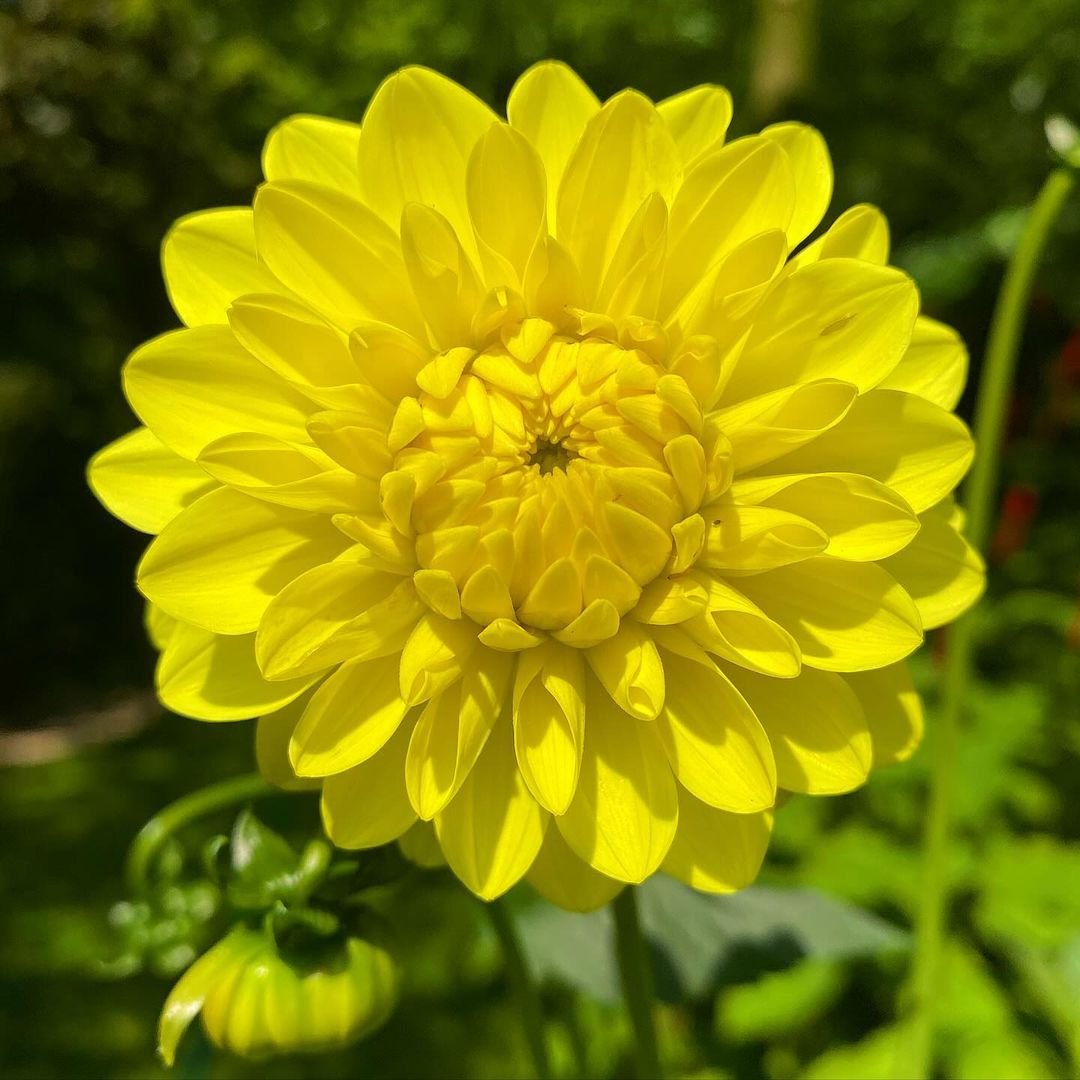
(686, 460)
(213, 677)
(549, 722)
(311, 624)
(303, 348)
(209, 260)
(191, 387)
(215, 967)
(143, 483)
(731, 195)
(314, 148)
(550, 106)
(698, 120)
(233, 1019)
(352, 442)
(435, 655)
(941, 571)
(349, 719)
(485, 596)
(273, 732)
(629, 668)
(389, 359)
(625, 154)
(420, 846)
(736, 629)
(418, 133)
(507, 202)
(159, 626)
(632, 280)
(934, 366)
(625, 810)
(860, 232)
(743, 539)
(282, 473)
(438, 590)
(863, 519)
(446, 284)
(555, 600)
(598, 622)
(810, 164)
(562, 878)
(893, 710)
(764, 428)
(492, 831)
(337, 255)
(368, 805)
(671, 600)
(845, 616)
(220, 563)
(834, 319)
(552, 285)
(717, 851)
(816, 726)
(452, 731)
(510, 636)
(641, 545)
(926, 454)
(719, 306)
(715, 744)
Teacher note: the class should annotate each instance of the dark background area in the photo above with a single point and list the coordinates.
(118, 116)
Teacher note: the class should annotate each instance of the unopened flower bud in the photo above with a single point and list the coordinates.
(256, 1003)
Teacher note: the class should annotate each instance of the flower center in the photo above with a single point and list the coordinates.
(548, 481)
(549, 456)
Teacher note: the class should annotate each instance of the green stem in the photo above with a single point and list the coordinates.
(635, 973)
(991, 409)
(150, 838)
(522, 986)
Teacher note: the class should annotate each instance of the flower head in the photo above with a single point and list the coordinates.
(255, 1003)
(534, 479)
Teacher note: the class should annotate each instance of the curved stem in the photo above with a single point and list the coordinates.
(1002, 350)
(522, 986)
(980, 501)
(635, 973)
(149, 839)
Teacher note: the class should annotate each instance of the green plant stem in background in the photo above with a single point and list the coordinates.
(522, 986)
(991, 410)
(162, 825)
(635, 974)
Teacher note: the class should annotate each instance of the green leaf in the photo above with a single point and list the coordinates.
(1030, 891)
(868, 1059)
(699, 940)
(778, 1004)
(863, 864)
(705, 939)
(263, 863)
(976, 1033)
(1053, 981)
(578, 950)
(1010, 1054)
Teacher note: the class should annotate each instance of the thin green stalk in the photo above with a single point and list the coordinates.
(150, 838)
(635, 973)
(522, 986)
(980, 502)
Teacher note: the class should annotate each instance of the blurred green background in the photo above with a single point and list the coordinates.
(117, 116)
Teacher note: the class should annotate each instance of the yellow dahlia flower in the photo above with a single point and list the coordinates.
(530, 478)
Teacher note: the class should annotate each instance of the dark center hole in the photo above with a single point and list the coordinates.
(551, 456)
